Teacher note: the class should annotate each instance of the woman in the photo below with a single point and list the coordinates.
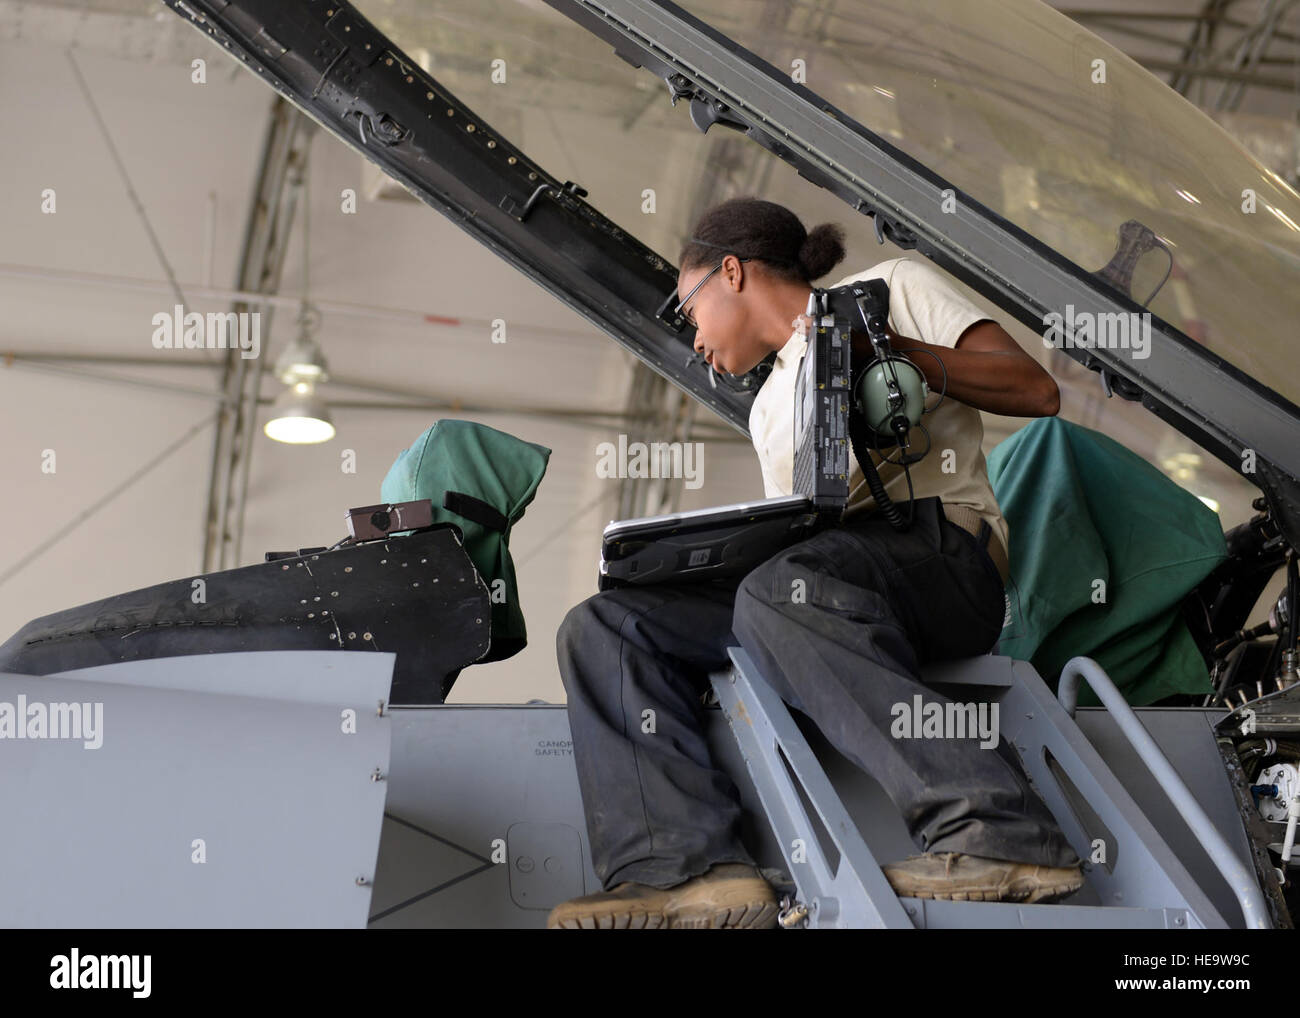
(838, 624)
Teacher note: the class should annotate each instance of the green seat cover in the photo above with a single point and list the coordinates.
(1090, 520)
(493, 467)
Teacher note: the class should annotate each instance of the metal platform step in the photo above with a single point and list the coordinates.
(1138, 881)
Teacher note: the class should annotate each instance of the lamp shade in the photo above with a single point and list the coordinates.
(300, 417)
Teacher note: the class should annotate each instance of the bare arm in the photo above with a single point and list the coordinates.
(986, 370)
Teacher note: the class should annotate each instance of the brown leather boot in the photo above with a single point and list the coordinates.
(728, 896)
(954, 876)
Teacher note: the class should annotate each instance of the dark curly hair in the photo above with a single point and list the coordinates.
(770, 233)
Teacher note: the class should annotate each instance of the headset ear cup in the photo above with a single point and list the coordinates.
(860, 430)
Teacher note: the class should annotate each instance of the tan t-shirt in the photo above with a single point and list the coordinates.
(923, 306)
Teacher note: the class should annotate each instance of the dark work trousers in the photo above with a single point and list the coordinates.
(838, 625)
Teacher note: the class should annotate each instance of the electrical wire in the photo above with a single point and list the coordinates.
(1168, 270)
(943, 389)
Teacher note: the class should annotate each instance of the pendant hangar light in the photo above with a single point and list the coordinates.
(299, 415)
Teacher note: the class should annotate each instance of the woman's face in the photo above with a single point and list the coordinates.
(722, 311)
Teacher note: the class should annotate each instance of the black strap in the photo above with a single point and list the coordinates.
(475, 510)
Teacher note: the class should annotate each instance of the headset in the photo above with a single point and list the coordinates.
(886, 395)
(877, 403)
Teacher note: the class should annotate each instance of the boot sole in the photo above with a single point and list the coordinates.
(612, 921)
(756, 915)
(725, 905)
(735, 905)
(1038, 896)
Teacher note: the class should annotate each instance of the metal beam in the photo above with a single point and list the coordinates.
(406, 399)
(325, 305)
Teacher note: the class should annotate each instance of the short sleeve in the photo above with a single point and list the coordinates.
(924, 305)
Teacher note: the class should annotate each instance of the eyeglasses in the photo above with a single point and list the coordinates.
(690, 317)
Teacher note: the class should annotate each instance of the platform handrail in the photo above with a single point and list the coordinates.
(1242, 881)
